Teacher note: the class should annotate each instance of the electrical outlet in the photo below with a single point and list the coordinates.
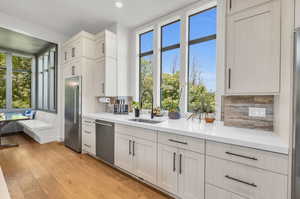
(257, 112)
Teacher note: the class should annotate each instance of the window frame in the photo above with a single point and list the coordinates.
(9, 80)
(48, 49)
(193, 42)
(140, 56)
(164, 49)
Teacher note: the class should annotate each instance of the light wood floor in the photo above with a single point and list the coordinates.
(35, 171)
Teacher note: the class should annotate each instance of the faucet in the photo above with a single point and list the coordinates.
(141, 103)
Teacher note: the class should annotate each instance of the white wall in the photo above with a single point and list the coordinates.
(34, 30)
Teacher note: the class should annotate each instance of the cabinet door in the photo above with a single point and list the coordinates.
(123, 152)
(110, 77)
(100, 48)
(144, 159)
(212, 192)
(167, 168)
(238, 5)
(191, 175)
(99, 78)
(253, 50)
(297, 13)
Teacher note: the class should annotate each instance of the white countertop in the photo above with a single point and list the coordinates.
(257, 139)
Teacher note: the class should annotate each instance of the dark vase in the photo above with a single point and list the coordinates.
(137, 112)
(174, 115)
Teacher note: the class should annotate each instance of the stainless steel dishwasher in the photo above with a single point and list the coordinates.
(105, 141)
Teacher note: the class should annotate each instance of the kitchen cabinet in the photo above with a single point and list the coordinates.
(181, 172)
(105, 80)
(246, 181)
(136, 154)
(123, 157)
(238, 5)
(212, 192)
(88, 136)
(106, 45)
(253, 49)
(297, 13)
(72, 69)
(80, 45)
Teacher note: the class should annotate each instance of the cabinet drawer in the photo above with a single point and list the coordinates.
(249, 182)
(86, 141)
(136, 132)
(212, 192)
(262, 159)
(88, 122)
(188, 143)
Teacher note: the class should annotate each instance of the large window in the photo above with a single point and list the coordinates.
(47, 80)
(202, 60)
(15, 81)
(146, 74)
(170, 64)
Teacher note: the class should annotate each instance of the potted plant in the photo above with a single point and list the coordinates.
(205, 107)
(136, 107)
(173, 109)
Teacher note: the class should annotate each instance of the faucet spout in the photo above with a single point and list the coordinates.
(141, 102)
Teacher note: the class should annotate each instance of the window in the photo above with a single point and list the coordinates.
(202, 60)
(47, 80)
(15, 81)
(2, 81)
(21, 82)
(146, 75)
(170, 64)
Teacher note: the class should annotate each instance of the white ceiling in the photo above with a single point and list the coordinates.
(70, 16)
(18, 42)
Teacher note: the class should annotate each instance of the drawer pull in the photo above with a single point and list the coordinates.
(87, 132)
(129, 147)
(241, 156)
(180, 163)
(87, 145)
(133, 148)
(241, 181)
(174, 162)
(176, 141)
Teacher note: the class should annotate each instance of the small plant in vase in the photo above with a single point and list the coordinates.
(205, 107)
(136, 107)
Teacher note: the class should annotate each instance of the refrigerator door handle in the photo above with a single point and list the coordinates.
(75, 105)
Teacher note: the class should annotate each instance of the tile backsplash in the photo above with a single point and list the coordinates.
(236, 111)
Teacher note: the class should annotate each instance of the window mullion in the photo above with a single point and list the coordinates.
(183, 63)
(9, 80)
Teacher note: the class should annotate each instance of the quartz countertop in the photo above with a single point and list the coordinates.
(258, 139)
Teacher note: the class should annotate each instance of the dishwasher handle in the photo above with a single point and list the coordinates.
(104, 124)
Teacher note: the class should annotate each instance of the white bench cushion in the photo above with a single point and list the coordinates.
(35, 124)
(3, 188)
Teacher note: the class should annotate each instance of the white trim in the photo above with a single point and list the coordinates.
(156, 25)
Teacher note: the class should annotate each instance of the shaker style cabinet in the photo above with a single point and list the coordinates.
(136, 153)
(88, 136)
(253, 48)
(212, 192)
(105, 73)
(180, 171)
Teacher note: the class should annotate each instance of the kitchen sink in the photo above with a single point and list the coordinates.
(145, 121)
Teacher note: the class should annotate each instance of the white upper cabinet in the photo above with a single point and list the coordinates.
(253, 48)
(297, 13)
(81, 45)
(238, 5)
(106, 45)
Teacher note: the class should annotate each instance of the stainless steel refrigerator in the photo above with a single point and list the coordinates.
(73, 113)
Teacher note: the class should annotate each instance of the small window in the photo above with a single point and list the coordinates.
(170, 64)
(47, 80)
(146, 74)
(202, 60)
(21, 82)
(2, 80)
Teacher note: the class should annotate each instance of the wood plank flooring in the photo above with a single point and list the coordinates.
(52, 171)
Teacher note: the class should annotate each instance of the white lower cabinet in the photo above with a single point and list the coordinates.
(88, 136)
(212, 192)
(123, 157)
(137, 156)
(181, 172)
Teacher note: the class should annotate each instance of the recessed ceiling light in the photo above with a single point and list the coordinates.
(118, 4)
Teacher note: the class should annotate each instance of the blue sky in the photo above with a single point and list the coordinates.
(203, 55)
